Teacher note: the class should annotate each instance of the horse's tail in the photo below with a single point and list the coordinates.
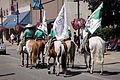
(63, 61)
(72, 51)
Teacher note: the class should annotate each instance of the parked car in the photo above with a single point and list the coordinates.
(2, 47)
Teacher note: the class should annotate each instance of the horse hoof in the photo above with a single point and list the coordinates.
(101, 73)
(64, 75)
(72, 66)
(57, 74)
(53, 72)
(49, 72)
(91, 72)
(30, 67)
(26, 66)
(21, 65)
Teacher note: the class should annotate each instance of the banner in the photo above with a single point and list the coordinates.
(36, 4)
(60, 25)
(94, 21)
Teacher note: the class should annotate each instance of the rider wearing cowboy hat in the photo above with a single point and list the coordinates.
(28, 33)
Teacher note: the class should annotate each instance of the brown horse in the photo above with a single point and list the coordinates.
(71, 48)
(56, 50)
(41, 46)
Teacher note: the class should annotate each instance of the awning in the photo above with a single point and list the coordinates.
(11, 21)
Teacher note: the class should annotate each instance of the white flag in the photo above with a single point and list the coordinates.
(60, 25)
(94, 21)
(44, 24)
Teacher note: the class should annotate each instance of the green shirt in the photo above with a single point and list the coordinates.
(28, 33)
(52, 33)
(69, 33)
(39, 34)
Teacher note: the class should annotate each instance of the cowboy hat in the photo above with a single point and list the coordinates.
(29, 25)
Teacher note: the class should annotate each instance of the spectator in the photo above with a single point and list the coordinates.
(12, 37)
(75, 38)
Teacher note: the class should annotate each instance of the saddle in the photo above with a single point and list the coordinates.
(39, 39)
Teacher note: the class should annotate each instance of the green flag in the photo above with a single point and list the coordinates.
(94, 21)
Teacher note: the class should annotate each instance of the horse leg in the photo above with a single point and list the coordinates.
(31, 62)
(73, 57)
(54, 66)
(48, 64)
(89, 65)
(43, 57)
(63, 59)
(85, 59)
(68, 59)
(92, 63)
(22, 58)
(27, 59)
(39, 60)
(102, 57)
(58, 65)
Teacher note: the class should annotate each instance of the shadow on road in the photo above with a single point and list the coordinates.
(107, 73)
(112, 63)
(7, 74)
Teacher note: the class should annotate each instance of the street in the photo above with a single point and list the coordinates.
(10, 68)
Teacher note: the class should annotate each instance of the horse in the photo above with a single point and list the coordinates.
(41, 46)
(32, 49)
(56, 50)
(96, 49)
(71, 47)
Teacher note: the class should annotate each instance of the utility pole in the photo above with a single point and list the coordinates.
(41, 7)
(78, 18)
(17, 13)
(40, 11)
(17, 33)
(1, 15)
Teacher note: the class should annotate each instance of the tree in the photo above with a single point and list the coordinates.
(111, 11)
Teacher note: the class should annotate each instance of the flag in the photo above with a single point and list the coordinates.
(60, 25)
(94, 21)
(36, 4)
(44, 24)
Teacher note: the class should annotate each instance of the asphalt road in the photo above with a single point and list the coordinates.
(10, 68)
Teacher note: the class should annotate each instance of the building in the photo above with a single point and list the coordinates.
(52, 8)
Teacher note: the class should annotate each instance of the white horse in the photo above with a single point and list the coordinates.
(96, 46)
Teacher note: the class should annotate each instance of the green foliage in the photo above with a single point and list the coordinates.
(105, 32)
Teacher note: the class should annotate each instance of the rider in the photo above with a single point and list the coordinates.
(52, 35)
(39, 33)
(28, 33)
(69, 33)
